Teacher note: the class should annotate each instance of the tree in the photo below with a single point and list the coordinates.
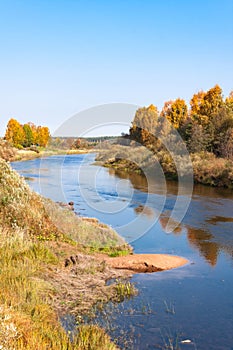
(226, 146)
(209, 111)
(229, 102)
(28, 136)
(42, 136)
(198, 140)
(176, 112)
(206, 105)
(195, 104)
(14, 133)
(144, 125)
(34, 132)
(212, 102)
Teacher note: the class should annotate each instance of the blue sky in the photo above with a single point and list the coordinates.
(59, 57)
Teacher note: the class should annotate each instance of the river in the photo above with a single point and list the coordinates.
(188, 308)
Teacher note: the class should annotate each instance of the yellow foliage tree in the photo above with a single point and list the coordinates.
(176, 112)
(212, 102)
(195, 104)
(42, 136)
(229, 101)
(206, 105)
(14, 133)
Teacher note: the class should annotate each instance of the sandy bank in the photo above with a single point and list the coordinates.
(146, 262)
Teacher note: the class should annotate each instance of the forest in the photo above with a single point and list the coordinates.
(205, 125)
(203, 130)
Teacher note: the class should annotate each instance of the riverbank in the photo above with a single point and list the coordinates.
(13, 154)
(51, 266)
(206, 167)
(22, 155)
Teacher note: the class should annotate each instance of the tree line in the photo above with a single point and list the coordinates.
(205, 125)
(26, 135)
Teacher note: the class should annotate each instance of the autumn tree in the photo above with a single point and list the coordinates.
(206, 105)
(14, 133)
(214, 115)
(212, 102)
(176, 112)
(28, 136)
(198, 140)
(226, 146)
(42, 136)
(34, 132)
(195, 104)
(144, 125)
(229, 102)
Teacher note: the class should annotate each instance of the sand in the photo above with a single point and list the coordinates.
(146, 262)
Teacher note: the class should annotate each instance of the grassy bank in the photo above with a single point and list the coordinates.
(12, 154)
(207, 168)
(48, 268)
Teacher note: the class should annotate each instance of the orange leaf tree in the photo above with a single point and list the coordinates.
(14, 133)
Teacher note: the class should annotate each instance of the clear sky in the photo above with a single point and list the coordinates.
(59, 57)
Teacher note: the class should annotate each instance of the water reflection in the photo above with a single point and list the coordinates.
(164, 218)
(203, 241)
(140, 182)
(145, 210)
(208, 223)
(216, 219)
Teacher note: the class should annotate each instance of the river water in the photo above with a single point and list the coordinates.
(188, 308)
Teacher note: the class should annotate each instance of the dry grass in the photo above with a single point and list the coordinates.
(35, 285)
(207, 168)
(7, 152)
(99, 235)
(213, 171)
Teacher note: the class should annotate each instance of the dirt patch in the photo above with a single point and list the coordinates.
(80, 282)
(146, 262)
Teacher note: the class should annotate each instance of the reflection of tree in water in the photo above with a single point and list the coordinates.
(163, 219)
(139, 182)
(202, 240)
(145, 210)
(216, 219)
(210, 245)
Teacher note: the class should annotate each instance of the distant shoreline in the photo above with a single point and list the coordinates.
(23, 155)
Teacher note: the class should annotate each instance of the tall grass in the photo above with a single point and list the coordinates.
(31, 243)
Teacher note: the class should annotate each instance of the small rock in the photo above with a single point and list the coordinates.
(67, 262)
(186, 341)
(73, 260)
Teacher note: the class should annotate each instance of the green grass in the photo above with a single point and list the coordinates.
(124, 290)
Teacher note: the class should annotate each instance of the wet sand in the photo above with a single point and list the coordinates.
(146, 262)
